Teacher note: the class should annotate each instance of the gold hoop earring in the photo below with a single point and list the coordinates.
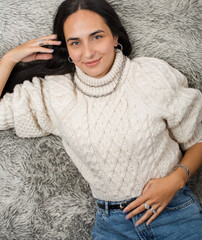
(116, 49)
(70, 60)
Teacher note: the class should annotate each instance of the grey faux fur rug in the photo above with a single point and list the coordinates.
(42, 195)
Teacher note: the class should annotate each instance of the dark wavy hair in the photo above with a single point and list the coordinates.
(59, 64)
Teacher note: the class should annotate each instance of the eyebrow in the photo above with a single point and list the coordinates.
(76, 38)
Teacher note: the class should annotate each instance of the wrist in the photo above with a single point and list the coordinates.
(7, 59)
(180, 177)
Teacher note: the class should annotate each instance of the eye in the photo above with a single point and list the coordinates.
(97, 37)
(74, 43)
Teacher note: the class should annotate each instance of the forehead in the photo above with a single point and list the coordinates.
(84, 22)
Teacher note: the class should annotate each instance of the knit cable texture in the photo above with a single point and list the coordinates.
(118, 142)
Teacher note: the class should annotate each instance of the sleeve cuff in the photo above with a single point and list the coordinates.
(196, 138)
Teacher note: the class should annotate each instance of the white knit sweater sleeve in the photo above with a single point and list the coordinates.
(167, 93)
(28, 109)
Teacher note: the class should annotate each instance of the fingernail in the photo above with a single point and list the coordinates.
(137, 224)
(127, 218)
(51, 50)
(124, 211)
(60, 41)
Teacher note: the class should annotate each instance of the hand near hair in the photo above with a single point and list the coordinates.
(157, 194)
(32, 50)
(27, 52)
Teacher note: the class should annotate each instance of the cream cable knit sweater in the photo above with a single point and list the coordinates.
(119, 141)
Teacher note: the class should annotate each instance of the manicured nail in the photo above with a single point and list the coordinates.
(51, 50)
(137, 224)
(124, 211)
(60, 41)
(127, 217)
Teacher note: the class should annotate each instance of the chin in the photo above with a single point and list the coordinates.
(95, 74)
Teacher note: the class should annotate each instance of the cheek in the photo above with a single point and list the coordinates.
(75, 55)
(107, 47)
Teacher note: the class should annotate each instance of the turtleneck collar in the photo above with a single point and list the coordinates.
(98, 87)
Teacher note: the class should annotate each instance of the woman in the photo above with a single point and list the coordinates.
(121, 121)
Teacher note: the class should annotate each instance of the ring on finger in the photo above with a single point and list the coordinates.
(153, 210)
(40, 42)
(146, 206)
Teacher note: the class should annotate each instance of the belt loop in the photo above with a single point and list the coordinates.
(107, 208)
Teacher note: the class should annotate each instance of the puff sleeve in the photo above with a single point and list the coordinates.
(28, 110)
(167, 93)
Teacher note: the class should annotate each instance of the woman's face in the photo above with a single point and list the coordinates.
(90, 42)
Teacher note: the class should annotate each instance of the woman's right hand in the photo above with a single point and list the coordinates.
(31, 50)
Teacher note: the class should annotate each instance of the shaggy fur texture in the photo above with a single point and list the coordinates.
(42, 195)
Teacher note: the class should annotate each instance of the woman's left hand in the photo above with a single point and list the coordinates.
(156, 194)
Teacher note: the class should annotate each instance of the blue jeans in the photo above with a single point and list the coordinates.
(181, 219)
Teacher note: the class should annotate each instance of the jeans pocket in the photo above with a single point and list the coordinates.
(181, 200)
(195, 200)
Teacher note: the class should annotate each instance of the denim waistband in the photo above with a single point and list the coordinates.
(107, 204)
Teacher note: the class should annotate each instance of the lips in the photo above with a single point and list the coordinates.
(92, 63)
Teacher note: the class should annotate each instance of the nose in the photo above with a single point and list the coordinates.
(88, 51)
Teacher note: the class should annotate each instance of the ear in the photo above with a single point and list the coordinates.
(116, 41)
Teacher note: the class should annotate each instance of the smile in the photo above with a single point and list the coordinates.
(93, 63)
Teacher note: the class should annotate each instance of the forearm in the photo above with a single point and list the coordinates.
(6, 67)
(193, 160)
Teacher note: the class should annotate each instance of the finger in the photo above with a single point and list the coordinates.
(52, 36)
(43, 50)
(155, 215)
(135, 211)
(147, 214)
(43, 56)
(139, 201)
(152, 212)
(51, 42)
(46, 42)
